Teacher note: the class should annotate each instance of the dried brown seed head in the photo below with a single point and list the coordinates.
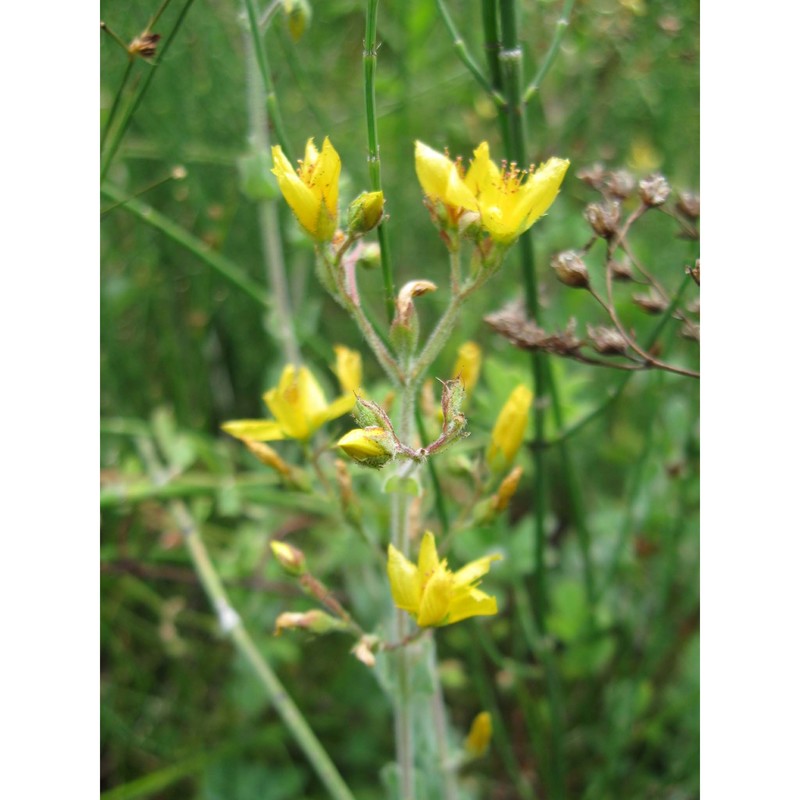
(606, 341)
(570, 269)
(144, 45)
(621, 270)
(652, 303)
(603, 217)
(654, 190)
(689, 205)
(593, 176)
(620, 184)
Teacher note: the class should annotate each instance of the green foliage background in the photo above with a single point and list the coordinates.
(183, 350)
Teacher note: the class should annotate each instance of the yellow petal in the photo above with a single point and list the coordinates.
(428, 560)
(436, 597)
(509, 430)
(541, 188)
(468, 365)
(259, 430)
(440, 180)
(474, 570)
(483, 173)
(404, 581)
(324, 183)
(348, 368)
(474, 603)
(480, 734)
(301, 199)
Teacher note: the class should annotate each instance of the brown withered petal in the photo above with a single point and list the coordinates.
(690, 330)
(652, 303)
(603, 217)
(593, 176)
(693, 307)
(695, 271)
(606, 341)
(620, 184)
(144, 45)
(654, 190)
(570, 269)
(689, 205)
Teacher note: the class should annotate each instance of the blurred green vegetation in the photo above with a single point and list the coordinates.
(182, 350)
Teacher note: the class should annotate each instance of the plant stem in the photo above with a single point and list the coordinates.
(224, 266)
(271, 98)
(108, 155)
(115, 105)
(374, 154)
(439, 714)
(268, 227)
(544, 67)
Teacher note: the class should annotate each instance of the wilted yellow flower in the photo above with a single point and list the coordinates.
(299, 407)
(433, 594)
(468, 365)
(312, 191)
(509, 430)
(348, 368)
(442, 179)
(480, 735)
(511, 200)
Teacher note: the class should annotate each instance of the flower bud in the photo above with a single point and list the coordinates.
(298, 16)
(654, 190)
(509, 430)
(292, 560)
(603, 217)
(348, 368)
(480, 735)
(468, 365)
(506, 490)
(365, 212)
(607, 341)
(372, 446)
(404, 331)
(314, 621)
(570, 269)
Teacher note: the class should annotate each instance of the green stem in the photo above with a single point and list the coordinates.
(438, 494)
(268, 226)
(437, 340)
(544, 67)
(439, 714)
(466, 57)
(224, 266)
(271, 98)
(491, 43)
(115, 105)
(374, 153)
(108, 155)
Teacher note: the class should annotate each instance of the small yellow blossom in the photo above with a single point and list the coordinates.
(443, 180)
(312, 191)
(511, 200)
(348, 368)
(372, 446)
(468, 365)
(509, 430)
(480, 735)
(433, 594)
(299, 407)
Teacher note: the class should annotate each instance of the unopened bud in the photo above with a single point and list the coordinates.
(404, 330)
(654, 190)
(298, 16)
(292, 560)
(144, 45)
(468, 365)
(365, 212)
(506, 490)
(652, 303)
(372, 446)
(689, 204)
(620, 184)
(571, 269)
(603, 217)
(364, 648)
(314, 621)
(606, 341)
(480, 735)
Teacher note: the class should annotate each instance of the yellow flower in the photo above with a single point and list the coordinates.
(312, 191)
(348, 368)
(443, 180)
(372, 446)
(432, 593)
(468, 365)
(509, 430)
(480, 735)
(299, 407)
(511, 200)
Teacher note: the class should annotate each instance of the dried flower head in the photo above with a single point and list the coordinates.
(689, 205)
(690, 330)
(620, 184)
(621, 269)
(593, 176)
(144, 45)
(652, 303)
(606, 341)
(511, 323)
(603, 217)
(654, 190)
(570, 269)
(695, 271)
